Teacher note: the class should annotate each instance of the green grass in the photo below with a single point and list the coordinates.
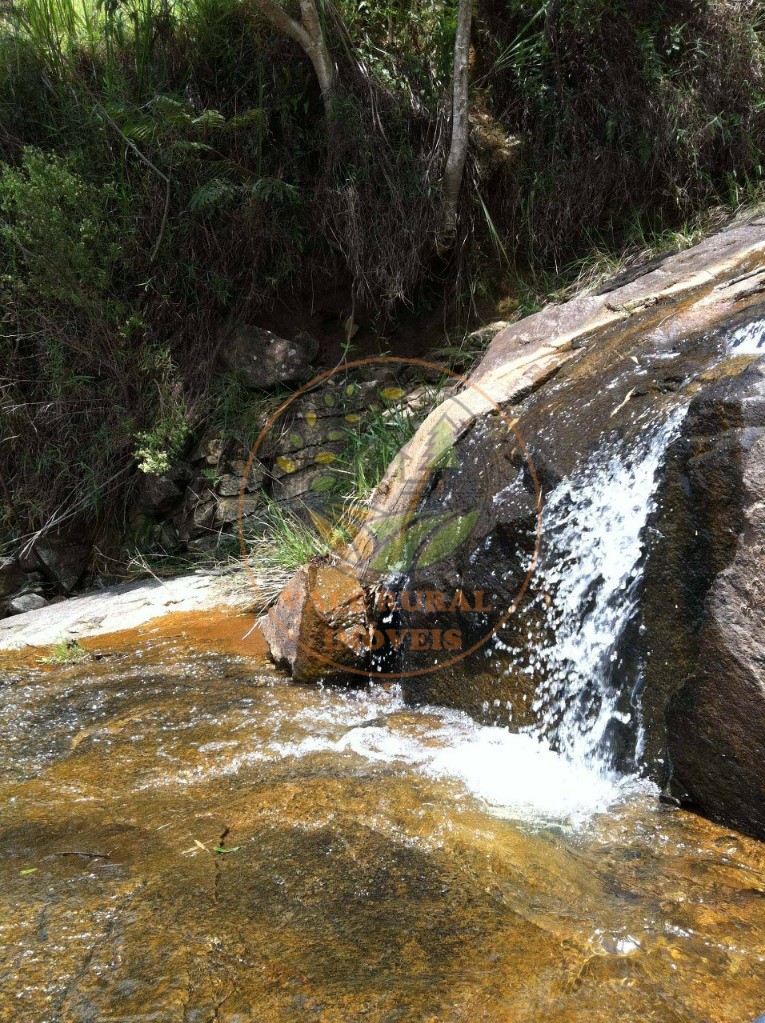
(67, 651)
(376, 440)
(287, 538)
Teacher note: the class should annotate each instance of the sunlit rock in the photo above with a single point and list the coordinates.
(319, 625)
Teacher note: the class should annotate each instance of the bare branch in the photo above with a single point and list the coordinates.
(281, 20)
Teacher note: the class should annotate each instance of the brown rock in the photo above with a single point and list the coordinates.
(716, 718)
(263, 359)
(229, 485)
(700, 654)
(197, 513)
(320, 617)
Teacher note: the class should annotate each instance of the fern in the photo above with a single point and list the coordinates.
(187, 148)
(210, 120)
(248, 119)
(213, 194)
(274, 190)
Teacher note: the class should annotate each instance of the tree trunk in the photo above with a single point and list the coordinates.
(319, 53)
(455, 164)
(310, 35)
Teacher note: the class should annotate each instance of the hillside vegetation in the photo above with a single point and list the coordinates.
(168, 167)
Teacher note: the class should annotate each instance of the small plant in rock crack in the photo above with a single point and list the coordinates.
(66, 651)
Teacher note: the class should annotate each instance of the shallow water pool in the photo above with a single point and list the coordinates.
(373, 862)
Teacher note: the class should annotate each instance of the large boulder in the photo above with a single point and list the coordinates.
(318, 627)
(62, 559)
(704, 609)
(264, 360)
(11, 576)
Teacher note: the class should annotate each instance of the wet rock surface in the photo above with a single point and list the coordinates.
(703, 657)
(601, 370)
(606, 398)
(691, 662)
(471, 528)
(343, 887)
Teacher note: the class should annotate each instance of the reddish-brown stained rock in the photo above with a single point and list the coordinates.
(321, 617)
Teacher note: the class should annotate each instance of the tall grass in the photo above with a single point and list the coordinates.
(286, 538)
(55, 28)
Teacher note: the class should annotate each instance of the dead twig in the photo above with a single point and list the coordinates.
(84, 855)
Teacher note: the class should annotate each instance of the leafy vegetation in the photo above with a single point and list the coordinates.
(283, 539)
(67, 651)
(632, 113)
(167, 166)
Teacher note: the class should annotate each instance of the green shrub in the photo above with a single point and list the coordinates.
(628, 110)
(59, 239)
(83, 382)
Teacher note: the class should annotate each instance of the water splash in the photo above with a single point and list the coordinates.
(588, 592)
(748, 339)
(514, 775)
(588, 582)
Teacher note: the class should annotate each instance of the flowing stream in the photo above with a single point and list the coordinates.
(374, 862)
(185, 836)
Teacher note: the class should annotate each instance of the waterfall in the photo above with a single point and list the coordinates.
(587, 592)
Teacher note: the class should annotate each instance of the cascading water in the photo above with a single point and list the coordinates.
(587, 586)
(588, 583)
(577, 757)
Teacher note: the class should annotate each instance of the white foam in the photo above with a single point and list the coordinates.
(515, 775)
(748, 339)
(594, 536)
